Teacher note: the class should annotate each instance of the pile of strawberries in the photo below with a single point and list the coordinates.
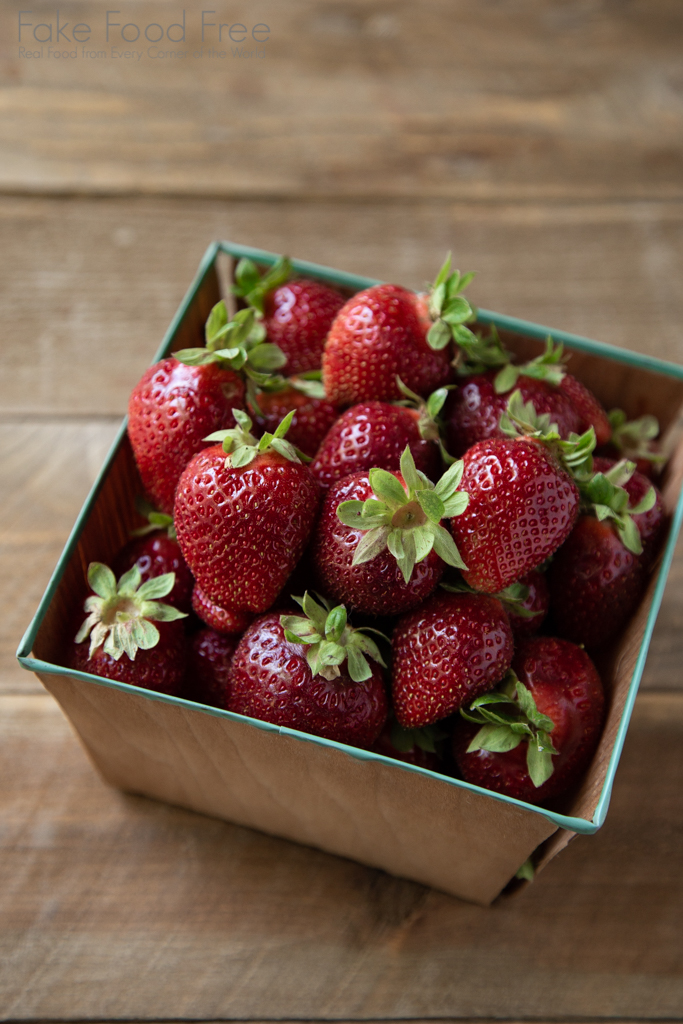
(380, 458)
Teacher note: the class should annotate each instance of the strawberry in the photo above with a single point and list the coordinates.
(374, 434)
(310, 673)
(597, 577)
(446, 652)
(650, 520)
(635, 440)
(523, 500)
(384, 332)
(297, 314)
(243, 519)
(208, 678)
(527, 615)
(378, 546)
(187, 396)
(534, 737)
(475, 409)
(170, 412)
(313, 414)
(413, 746)
(222, 620)
(124, 642)
(525, 602)
(156, 555)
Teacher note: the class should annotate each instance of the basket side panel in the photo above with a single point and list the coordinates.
(378, 814)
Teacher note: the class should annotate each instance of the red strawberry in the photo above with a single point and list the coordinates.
(222, 620)
(635, 440)
(290, 670)
(590, 411)
(595, 584)
(651, 520)
(448, 651)
(523, 502)
(474, 410)
(384, 332)
(413, 746)
(597, 577)
(124, 643)
(297, 315)
(313, 414)
(378, 546)
(157, 555)
(243, 521)
(182, 399)
(374, 434)
(556, 710)
(527, 615)
(208, 679)
(525, 602)
(170, 412)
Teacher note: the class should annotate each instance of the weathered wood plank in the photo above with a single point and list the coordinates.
(87, 288)
(46, 471)
(464, 101)
(114, 907)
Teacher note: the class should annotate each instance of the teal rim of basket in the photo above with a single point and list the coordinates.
(353, 281)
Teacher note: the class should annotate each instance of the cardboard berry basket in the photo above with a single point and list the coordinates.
(409, 821)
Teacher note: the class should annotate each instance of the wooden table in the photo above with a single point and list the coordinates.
(543, 144)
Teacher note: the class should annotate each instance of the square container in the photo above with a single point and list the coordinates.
(411, 822)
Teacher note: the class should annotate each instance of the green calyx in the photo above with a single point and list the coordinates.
(512, 598)
(406, 520)
(576, 453)
(331, 640)
(308, 383)
(426, 738)
(253, 287)
(548, 367)
(239, 345)
(241, 447)
(508, 717)
(633, 438)
(155, 520)
(477, 353)
(119, 614)
(606, 498)
(428, 423)
(448, 309)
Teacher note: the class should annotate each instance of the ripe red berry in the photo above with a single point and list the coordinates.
(522, 506)
(447, 652)
(243, 521)
(560, 704)
(222, 620)
(373, 434)
(474, 410)
(377, 336)
(208, 677)
(170, 412)
(376, 587)
(297, 318)
(133, 637)
(313, 416)
(156, 555)
(272, 679)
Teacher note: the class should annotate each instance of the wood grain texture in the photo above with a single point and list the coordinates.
(88, 288)
(529, 99)
(46, 471)
(114, 907)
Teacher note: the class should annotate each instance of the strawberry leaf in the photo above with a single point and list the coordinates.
(158, 586)
(496, 738)
(446, 549)
(102, 580)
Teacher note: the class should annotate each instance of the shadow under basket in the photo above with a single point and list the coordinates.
(406, 820)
